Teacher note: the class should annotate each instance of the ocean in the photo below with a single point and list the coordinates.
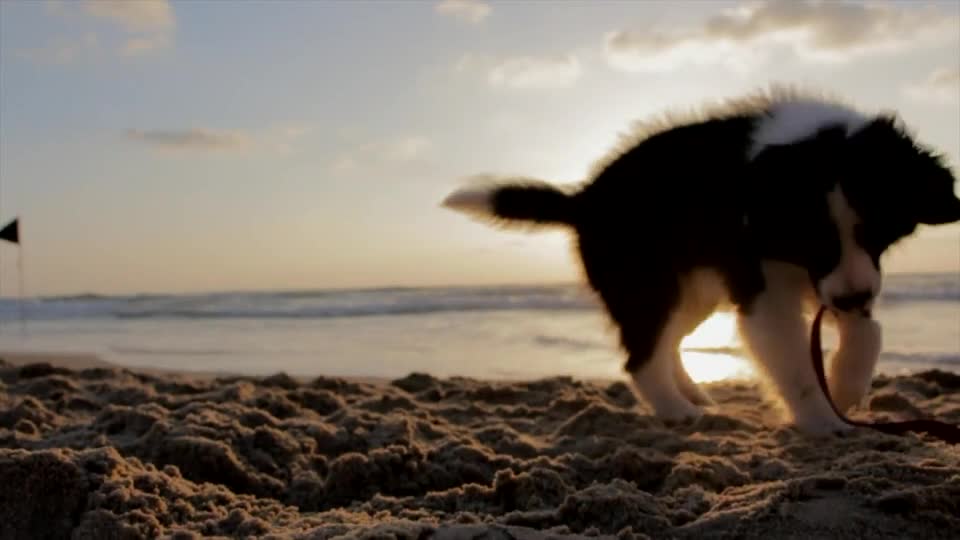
(487, 332)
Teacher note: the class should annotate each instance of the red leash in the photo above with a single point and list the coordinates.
(941, 430)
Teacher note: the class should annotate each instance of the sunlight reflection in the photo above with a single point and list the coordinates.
(710, 367)
(712, 352)
(718, 331)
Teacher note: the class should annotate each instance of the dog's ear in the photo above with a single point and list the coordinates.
(919, 178)
(934, 199)
(939, 210)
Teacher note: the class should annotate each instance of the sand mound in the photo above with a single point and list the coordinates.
(112, 453)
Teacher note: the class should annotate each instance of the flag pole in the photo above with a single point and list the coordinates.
(20, 275)
(11, 233)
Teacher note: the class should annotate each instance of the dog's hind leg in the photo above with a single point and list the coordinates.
(687, 385)
(654, 379)
(651, 332)
(701, 292)
(642, 301)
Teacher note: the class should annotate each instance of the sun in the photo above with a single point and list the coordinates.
(712, 352)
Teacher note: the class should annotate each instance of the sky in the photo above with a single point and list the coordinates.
(179, 146)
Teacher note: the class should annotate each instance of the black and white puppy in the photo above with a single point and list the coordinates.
(769, 205)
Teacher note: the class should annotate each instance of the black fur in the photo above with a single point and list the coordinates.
(688, 196)
(540, 203)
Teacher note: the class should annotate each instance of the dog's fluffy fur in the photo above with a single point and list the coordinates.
(770, 205)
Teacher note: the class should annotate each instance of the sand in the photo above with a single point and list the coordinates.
(101, 452)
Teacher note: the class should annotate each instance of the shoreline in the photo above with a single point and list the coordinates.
(82, 361)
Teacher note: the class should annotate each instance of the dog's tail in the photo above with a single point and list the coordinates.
(515, 201)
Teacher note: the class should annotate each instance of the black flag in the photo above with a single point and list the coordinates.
(11, 233)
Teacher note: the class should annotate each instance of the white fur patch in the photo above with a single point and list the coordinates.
(855, 272)
(776, 333)
(704, 290)
(792, 121)
(471, 200)
(656, 383)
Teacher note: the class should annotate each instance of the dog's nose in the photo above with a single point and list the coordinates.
(852, 302)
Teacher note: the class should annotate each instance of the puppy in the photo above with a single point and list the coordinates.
(768, 205)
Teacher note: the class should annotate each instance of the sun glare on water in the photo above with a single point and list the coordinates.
(711, 352)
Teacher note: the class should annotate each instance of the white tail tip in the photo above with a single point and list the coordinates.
(472, 200)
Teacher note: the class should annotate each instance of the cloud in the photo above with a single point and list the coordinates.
(148, 24)
(473, 11)
(134, 16)
(407, 148)
(192, 139)
(941, 86)
(61, 50)
(815, 30)
(400, 150)
(538, 73)
(144, 44)
(281, 139)
(124, 27)
(344, 164)
(523, 72)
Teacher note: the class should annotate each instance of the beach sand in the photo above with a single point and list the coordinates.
(89, 450)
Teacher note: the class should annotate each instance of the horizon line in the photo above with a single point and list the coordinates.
(363, 288)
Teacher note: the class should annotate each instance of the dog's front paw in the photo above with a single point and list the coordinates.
(848, 394)
(822, 426)
(698, 396)
(678, 412)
